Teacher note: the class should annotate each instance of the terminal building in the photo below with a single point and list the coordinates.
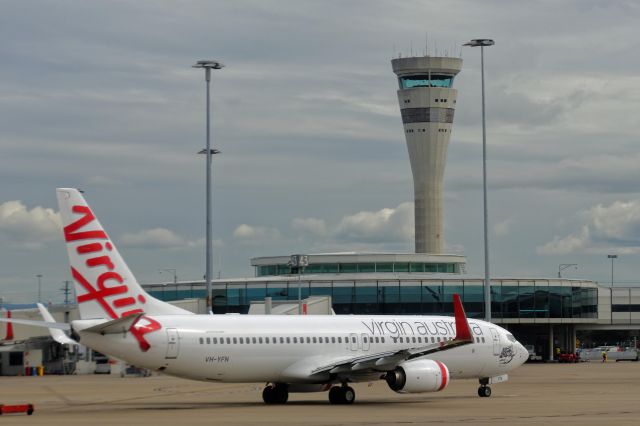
(546, 313)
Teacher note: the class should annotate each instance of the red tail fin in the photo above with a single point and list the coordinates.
(463, 331)
(9, 328)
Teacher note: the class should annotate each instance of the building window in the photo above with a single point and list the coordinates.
(16, 358)
(427, 115)
(421, 80)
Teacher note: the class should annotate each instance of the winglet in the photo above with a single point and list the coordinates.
(463, 331)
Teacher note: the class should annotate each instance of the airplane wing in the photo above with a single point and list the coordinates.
(57, 334)
(383, 361)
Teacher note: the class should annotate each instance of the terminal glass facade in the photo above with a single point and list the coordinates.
(361, 267)
(510, 299)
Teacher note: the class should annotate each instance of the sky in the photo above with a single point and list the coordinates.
(101, 96)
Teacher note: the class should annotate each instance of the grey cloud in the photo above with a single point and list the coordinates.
(156, 238)
(310, 225)
(255, 235)
(613, 227)
(388, 225)
(28, 228)
(95, 94)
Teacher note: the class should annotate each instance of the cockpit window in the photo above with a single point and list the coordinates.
(511, 338)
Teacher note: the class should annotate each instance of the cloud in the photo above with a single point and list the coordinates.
(566, 245)
(103, 181)
(156, 238)
(503, 228)
(255, 234)
(310, 225)
(618, 223)
(614, 227)
(388, 225)
(29, 228)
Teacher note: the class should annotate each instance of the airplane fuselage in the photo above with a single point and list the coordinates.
(272, 348)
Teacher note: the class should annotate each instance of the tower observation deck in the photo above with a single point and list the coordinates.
(427, 104)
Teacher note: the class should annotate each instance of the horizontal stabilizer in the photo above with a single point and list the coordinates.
(116, 326)
(56, 334)
(34, 323)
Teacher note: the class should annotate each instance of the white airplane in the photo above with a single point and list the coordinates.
(290, 353)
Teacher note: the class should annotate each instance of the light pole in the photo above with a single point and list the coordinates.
(174, 271)
(39, 276)
(563, 266)
(482, 42)
(299, 261)
(612, 256)
(208, 66)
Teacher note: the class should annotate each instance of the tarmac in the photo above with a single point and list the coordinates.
(585, 393)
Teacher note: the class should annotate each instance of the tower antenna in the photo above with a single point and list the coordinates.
(426, 43)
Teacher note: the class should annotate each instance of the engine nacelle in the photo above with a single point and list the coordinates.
(422, 375)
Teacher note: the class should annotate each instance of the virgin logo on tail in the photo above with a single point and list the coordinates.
(109, 291)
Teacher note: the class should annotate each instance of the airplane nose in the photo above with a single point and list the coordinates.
(523, 353)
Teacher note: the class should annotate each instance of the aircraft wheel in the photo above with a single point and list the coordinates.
(268, 395)
(281, 394)
(342, 395)
(484, 391)
(335, 395)
(348, 395)
(278, 394)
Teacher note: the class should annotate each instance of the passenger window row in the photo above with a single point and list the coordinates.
(283, 340)
(317, 340)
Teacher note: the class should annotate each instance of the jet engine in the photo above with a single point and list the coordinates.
(423, 375)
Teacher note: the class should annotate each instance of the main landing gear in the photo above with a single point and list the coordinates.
(342, 394)
(275, 394)
(484, 391)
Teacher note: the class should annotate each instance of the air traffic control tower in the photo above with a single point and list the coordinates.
(427, 103)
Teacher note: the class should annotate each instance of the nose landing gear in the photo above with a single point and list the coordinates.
(484, 391)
